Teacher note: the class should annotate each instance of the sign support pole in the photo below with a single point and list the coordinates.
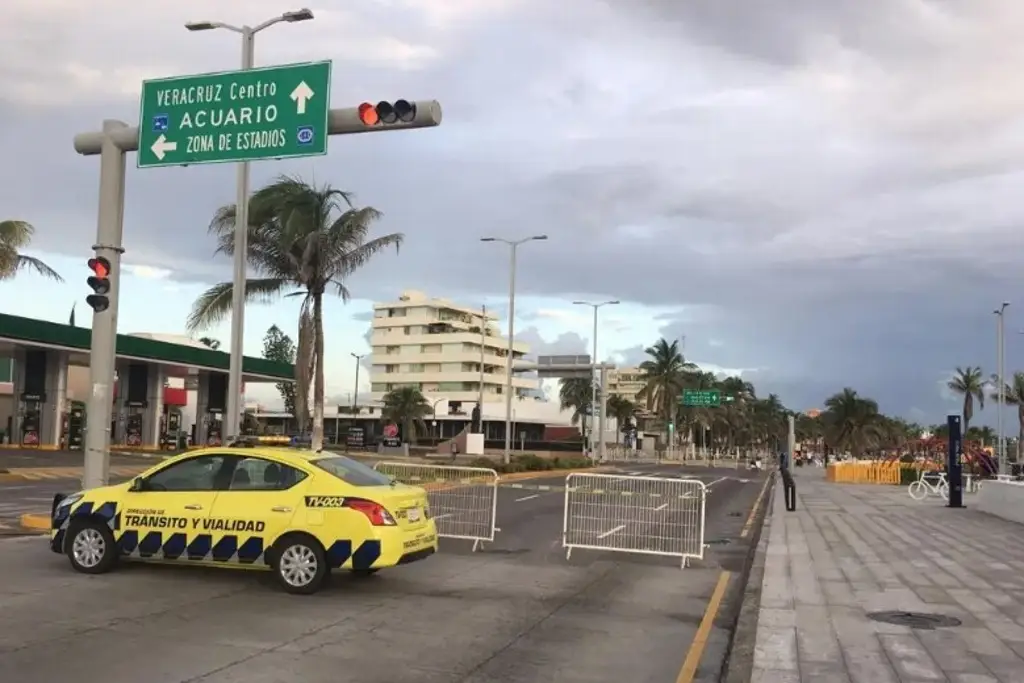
(102, 351)
(235, 403)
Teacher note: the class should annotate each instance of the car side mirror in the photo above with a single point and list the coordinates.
(138, 484)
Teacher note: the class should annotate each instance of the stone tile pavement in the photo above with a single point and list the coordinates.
(853, 549)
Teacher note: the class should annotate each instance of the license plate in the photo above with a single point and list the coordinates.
(413, 514)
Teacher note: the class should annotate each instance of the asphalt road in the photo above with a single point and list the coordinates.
(33, 496)
(516, 610)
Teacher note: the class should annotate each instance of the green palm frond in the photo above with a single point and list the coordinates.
(214, 304)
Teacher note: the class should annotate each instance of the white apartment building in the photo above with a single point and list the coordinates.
(438, 347)
(626, 382)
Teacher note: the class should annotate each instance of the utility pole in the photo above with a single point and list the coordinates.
(1000, 314)
(483, 344)
(241, 245)
(355, 387)
(594, 376)
(513, 246)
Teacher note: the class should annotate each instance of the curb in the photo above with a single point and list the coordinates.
(35, 522)
(738, 665)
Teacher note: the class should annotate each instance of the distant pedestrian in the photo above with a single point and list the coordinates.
(455, 450)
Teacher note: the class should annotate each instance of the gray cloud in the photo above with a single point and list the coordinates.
(829, 191)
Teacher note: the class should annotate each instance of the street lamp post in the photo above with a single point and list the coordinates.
(513, 246)
(241, 245)
(593, 376)
(355, 387)
(1000, 314)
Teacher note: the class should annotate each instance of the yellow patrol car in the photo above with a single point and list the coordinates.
(298, 513)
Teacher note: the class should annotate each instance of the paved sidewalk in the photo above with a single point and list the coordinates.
(849, 550)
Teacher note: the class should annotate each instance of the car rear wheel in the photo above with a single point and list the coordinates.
(300, 564)
(91, 548)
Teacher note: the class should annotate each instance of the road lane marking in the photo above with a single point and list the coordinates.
(707, 486)
(753, 511)
(700, 640)
(520, 500)
(612, 531)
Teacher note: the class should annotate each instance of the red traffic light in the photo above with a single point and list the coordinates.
(100, 267)
(368, 114)
(400, 111)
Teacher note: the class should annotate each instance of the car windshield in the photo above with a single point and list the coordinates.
(351, 471)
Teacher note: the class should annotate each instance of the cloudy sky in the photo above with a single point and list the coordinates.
(820, 193)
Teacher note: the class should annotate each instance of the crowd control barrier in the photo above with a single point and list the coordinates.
(645, 515)
(463, 500)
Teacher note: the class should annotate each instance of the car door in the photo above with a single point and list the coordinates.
(256, 507)
(163, 515)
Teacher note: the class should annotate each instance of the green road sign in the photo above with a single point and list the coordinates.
(269, 113)
(704, 398)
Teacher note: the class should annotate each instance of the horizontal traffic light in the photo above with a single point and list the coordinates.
(99, 283)
(387, 113)
(396, 115)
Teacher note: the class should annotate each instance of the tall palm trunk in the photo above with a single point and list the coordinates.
(318, 372)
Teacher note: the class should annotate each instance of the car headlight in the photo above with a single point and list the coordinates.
(67, 502)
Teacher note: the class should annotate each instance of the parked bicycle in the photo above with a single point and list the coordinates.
(932, 483)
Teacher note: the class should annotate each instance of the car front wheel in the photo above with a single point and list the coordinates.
(91, 548)
(300, 564)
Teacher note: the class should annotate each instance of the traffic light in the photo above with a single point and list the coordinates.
(397, 115)
(387, 113)
(99, 282)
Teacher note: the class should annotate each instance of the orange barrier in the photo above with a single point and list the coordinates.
(864, 472)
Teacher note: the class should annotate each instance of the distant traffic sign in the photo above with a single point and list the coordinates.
(269, 113)
(709, 398)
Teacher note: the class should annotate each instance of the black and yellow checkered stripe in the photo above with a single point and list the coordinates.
(198, 546)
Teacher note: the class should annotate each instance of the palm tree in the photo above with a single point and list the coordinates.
(14, 236)
(210, 342)
(304, 241)
(575, 394)
(408, 407)
(852, 424)
(1014, 396)
(622, 410)
(968, 382)
(664, 374)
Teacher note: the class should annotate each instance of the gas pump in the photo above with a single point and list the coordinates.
(133, 428)
(75, 426)
(171, 428)
(213, 430)
(30, 421)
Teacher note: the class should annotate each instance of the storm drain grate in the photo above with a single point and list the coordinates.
(918, 620)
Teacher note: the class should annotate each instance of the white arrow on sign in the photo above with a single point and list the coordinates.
(302, 94)
(162, 145)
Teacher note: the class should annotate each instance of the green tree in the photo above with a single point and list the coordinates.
(622, 409)
(279, 347)
(1014, 396)
(209, 342)
(304, 241)
(575, 394)
(14, 236)
(664, 375)
(970, 384)
(408, 407)
(852, 424)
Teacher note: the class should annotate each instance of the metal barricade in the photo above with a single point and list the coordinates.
(646, 515)
(463, 500)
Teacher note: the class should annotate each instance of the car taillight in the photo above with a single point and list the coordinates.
(375, 512)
